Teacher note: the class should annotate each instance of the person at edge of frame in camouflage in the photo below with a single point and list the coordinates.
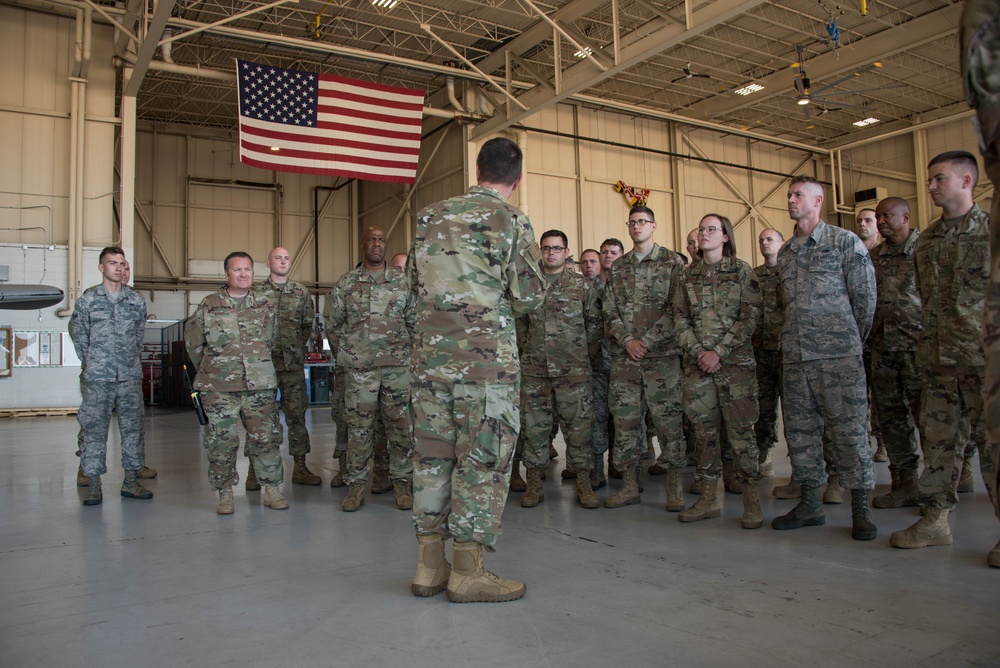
(370, 327)
(896, 328)
(766, 343)
(146, 473)
(296, 317)
(869, 234)
(473, 268)
(107, 328)
(952, 257)
(981, 49)
(560, 339)
(715, 315)
(229, 339)
(645, 357)
(828, 295)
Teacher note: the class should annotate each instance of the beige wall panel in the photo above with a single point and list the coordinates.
(99, 225)
(13, 40)
(553, 206)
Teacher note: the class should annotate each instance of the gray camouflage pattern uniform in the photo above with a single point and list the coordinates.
(369, 324)
(893, 341)
(952, 272)
(767, 355)
(559, 339)
(473, 267)
(229, 341)
(718, 310)
(828, 296)
(296, 316)
(107, 335)
(638, 304)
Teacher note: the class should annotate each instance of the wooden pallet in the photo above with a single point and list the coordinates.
(38, 412)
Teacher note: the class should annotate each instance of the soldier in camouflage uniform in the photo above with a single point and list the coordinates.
(952, 271)
(868, 233)
(107, 328)
(370, 325)
(981, 47)
(473, 268)
(645, 357)
(893, 341)
(767, 347)
(229, 339)
(715, 315)
(828, 296)
(560, 338)
(296, 315)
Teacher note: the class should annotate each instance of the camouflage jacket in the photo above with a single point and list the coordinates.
(562, 336)
(827, 293)
(639, 299)
(296, 317)
(472, 268)
(230, 343)
(369, 321)
(897, 323)
(718, 310)
(980, 46)
(601, 363)
(953, 268)
(108, 334)
(767, 336)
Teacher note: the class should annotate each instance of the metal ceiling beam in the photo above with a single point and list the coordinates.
(889, 42)
(160, 17)
(129, 20)
(581, 75)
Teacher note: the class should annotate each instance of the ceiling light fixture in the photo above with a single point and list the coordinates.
(803, 100)
(275, 148)
(749, 88)
(868, 121)
(584, 52)
(385, 4)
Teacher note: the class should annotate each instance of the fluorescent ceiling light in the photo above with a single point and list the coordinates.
(868, 121)
(385, 4)
(584, 52)
(803, 100)
(749, 88)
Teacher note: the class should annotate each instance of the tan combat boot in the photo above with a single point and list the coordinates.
(534, 494)
(273, 498)
(966, 482)
(904, 492)
(471, 583)
(834, 492)
(301, 475)
(94, 495)
(790, 491)
(380, 478)
(585, 493)
(753, 517)
(517, 483)
(338, 478)
(766, 464)
(355, 497)
(81, 478)
(225, 506)
(146, 473)
(881, 454)
(403, 491)
(628, 494)
(930, 530)
(675, 491)
(729, 478)
(252, 485)
(131, 489)
(706, 507)
(433, 569)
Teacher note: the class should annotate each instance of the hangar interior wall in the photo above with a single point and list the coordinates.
(195, 201)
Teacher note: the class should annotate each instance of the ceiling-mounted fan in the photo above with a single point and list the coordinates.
(688, 74)
(806, 97)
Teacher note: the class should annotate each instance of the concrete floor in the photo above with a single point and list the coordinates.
(167, 582)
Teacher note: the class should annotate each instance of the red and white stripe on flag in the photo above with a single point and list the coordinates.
(294, 121)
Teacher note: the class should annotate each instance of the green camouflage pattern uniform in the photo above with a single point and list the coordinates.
(600, 377)
(718, 310)
(767, 355)
(828, 296)
(893, 341)
(107, 334)
(296, 316)
(952, 271)
(981, 46)
(473, 268)
(370, 324)
(229, 341)
(560, 338)
(638, 304)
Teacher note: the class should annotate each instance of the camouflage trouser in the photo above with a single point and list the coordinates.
(601, 426)
(100, 398)
(896, 394)
(463, 439)
(294, 401)
(565, 401)
(951, 412)
(825, 408)
(372, 397)
(723, 406)
(769, 391)
(222, 440)
(874, 418)
(658, 382)
(337, 410)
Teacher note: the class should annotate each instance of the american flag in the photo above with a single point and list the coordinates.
(293, 121)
